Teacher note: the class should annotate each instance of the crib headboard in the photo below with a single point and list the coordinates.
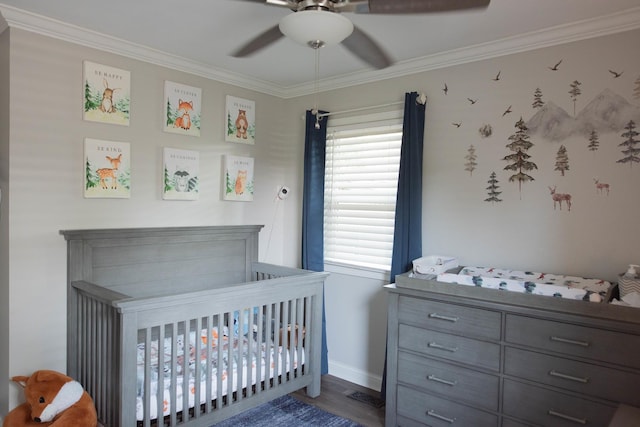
(141, 262)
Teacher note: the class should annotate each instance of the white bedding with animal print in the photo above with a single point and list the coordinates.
(560, 286)
(242, 356)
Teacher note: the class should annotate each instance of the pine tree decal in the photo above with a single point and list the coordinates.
(537, 99)
(492, 189)
(471, 157)
(594, 142)
(630, 151)
(636, 90)
(575, 92)
(520, 163)
(562, 160)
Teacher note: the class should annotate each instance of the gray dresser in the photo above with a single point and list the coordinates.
(474, 357)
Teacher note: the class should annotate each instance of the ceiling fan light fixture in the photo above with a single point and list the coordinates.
(316, 28)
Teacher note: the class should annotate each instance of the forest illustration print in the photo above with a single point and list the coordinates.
(182, 109)
(107, 94)
(107, 169)
(180, 176)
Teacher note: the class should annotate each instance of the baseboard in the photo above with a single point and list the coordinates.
(357, 376)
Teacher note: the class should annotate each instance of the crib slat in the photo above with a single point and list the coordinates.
(174, 374)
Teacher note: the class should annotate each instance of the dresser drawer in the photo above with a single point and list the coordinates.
(461, 320)
(510, 423)
(594, 380)
(574, 340)
(437, 412)
(549, 408)
(460, 349)
(461, 384)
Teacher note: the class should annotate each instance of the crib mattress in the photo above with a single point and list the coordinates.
(245, 356)
(560, 286)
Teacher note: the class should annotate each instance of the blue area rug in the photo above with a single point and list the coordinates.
(286, 411)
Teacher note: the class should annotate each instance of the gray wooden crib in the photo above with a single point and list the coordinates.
(182, 325)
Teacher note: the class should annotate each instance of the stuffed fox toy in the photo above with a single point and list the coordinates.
(52, 399)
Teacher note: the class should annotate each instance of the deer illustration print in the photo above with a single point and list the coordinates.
(601, 186)
(110, 173)
(559, 198)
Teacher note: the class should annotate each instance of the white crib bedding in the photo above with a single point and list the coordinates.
(560, 286)
(241, 355)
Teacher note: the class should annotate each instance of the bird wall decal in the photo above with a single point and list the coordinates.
(555, 67)
(507, 111)
(616, 74)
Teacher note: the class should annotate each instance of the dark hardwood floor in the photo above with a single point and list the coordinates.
(334, 399)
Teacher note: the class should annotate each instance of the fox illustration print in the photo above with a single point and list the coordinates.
(184, 110)
(241, 182)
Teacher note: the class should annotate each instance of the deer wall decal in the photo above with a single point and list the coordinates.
(601, 186)
(559, 198)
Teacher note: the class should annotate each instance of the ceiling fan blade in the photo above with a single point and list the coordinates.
(365, 48)
(261, 41)
(418, 6)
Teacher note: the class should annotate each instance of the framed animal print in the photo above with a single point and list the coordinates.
(237, 180)
(107, 169)
(241, 120)
(182, 109)
(180, 177)
(107, 94)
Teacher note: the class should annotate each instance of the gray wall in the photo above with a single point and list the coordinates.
(42, 186)
(4, 220)
(43, 183)
(598, 238)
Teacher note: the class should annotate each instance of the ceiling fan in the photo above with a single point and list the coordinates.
(317, 23)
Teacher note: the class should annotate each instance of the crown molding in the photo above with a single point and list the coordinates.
(581, 30)
(626, 20)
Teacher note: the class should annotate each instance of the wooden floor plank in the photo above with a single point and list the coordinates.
(333, 398)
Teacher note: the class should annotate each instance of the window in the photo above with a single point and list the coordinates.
(361, 179)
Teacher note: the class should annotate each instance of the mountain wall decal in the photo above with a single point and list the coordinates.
(607, 112)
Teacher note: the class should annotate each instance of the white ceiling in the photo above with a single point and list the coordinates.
(198, 36)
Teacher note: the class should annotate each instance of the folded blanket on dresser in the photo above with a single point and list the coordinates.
(528, 282)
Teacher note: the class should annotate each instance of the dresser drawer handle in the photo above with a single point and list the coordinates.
(440, 380)
(567, 417)
(568, 341)
(441, 317)
(568, 377)
(434, 414)
(442, 347)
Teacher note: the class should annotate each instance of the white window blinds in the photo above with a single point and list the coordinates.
(361, 177)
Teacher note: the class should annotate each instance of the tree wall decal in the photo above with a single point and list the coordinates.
(492, 189)
(519, 160)
(471, 158)
(562, 160)
(594, 141)
(575, 92)
(537, 99)
(631, 151)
